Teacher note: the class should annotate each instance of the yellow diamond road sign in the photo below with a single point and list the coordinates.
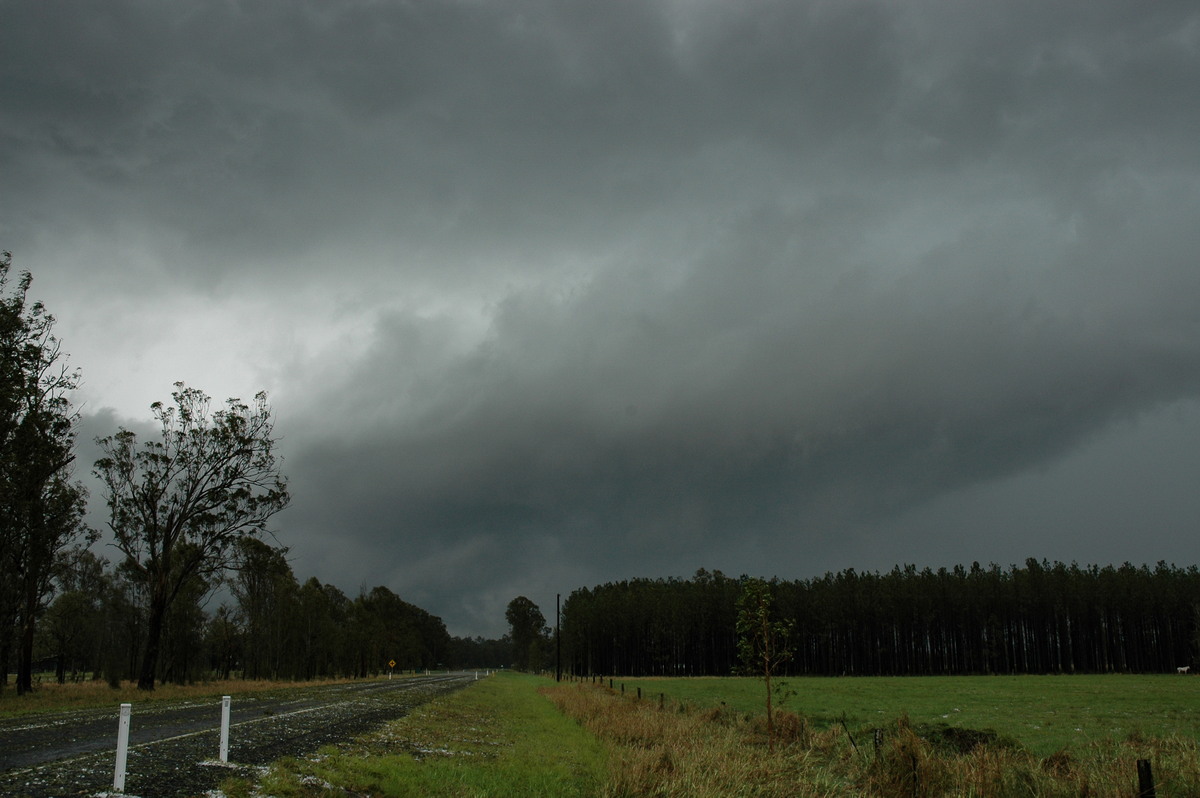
(392, 664)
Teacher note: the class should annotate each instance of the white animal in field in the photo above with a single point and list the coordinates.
(1184, 669)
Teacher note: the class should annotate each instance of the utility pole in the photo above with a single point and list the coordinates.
(557, 640)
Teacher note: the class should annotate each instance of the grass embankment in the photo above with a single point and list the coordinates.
(499, 737)
(503, 737)
(1043, 713)
(681, 749)
(50, 696)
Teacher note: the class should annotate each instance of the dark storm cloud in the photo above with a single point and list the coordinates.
(635, 287)
(736, 408)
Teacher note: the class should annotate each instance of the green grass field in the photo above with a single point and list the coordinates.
(1043, 713)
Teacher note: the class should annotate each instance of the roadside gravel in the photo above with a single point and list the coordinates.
(173, 746)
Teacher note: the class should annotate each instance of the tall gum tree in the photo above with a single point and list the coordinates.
(41, 509)
(179, 505)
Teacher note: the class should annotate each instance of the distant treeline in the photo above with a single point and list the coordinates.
(274, 627)
(1040, 618)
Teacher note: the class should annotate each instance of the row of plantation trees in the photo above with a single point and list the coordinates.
(188, 512)
(275, 627)
(1040, 618)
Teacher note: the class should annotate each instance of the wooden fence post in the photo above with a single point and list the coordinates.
(1145, 779)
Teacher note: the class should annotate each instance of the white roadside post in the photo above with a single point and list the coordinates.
(224, 728)
(122, 749)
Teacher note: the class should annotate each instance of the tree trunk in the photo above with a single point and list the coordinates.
(154, 626)
(28, 627)
(5, 647)
(25, 655)
(767, 666)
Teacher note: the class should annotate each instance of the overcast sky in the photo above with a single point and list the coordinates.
(548, 294)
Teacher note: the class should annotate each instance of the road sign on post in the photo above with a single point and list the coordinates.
(391, 667)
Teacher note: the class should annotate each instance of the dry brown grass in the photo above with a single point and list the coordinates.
(679, 751)
(81, 695)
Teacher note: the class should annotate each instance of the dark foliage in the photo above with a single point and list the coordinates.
(41, 508)
(479, 652)
(1040, 618)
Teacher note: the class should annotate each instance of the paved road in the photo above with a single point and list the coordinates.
(174, 745)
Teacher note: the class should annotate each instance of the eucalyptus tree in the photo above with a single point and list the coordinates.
(390, 629)
(268, 603)
(179, 504)
(321, 631)
(183, 654)
(41, 508)
(529, 632)
(224, 639)
(71, 630)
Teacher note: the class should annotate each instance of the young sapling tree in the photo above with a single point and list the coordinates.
(762, 641)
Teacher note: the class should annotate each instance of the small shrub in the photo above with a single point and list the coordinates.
(958, 740)
(1061, 764)
(792, 729)
(720, 715)
(907, 766)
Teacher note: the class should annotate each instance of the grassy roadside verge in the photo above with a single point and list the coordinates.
(712, 752)
(498, 737)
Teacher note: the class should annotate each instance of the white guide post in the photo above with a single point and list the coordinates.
(224, 728)
(122, 749)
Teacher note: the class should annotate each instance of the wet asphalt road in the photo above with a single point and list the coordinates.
(174, 745)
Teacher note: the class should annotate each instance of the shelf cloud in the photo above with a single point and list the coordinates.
(552, 294)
